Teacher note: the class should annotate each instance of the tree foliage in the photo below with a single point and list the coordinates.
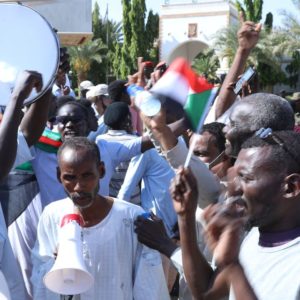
(138, 37)
(125, 40)
(264, 56)
(124, 59)
(268, 25)
(137, 21)
(289, 38)
(207, 63)
(252, 9)
(83, 56)
(151, 35)
(110, 32)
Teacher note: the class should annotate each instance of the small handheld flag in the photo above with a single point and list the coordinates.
(193, 92)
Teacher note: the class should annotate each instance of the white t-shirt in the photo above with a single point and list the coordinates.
(273, 272)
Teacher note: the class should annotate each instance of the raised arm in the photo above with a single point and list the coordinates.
(247, 36)
(12, 118)
(34, 120)
(176, 152)
(198, 272)
(162, 133)
(223, 233)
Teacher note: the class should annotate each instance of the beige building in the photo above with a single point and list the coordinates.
(188, 26)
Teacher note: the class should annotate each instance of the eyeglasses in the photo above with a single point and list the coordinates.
(66, 119)
(268, 135)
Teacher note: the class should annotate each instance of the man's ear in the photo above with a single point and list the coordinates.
(292, 185)
(58, 174)
(101, 169)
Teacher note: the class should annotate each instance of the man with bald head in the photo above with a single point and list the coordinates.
(254, 112)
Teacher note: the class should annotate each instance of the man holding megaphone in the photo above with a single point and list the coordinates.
(107, 247)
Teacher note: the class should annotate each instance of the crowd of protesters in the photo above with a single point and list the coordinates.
(225, 227)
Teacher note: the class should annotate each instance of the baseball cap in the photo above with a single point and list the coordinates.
(98, 90)
(85, 85)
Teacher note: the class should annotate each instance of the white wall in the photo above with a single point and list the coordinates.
(210, 16)
(72, 18)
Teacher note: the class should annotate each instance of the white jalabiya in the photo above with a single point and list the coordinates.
(123, 268)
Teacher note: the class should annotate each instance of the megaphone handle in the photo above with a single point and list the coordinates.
(67, 297)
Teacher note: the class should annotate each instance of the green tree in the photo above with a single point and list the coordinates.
(125, 59)
(268, 25)
(96, 21)
(97, 72)
(289, 38)
(293, 69)
(151, 36)
(264, 56)
(207, 63)
(116, 66)
(137, 21)
(252, 9)
(110, 32)
(138, 38)
(81, 57)
(289, 35)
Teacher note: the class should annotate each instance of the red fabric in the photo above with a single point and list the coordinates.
(71, 217)
(197, 83)
(46, 140)
(148, 64)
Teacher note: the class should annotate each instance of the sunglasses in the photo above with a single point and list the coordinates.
(66, 119)
(268, 135)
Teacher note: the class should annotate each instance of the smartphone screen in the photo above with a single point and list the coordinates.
(245, 77)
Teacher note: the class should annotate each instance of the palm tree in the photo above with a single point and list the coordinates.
(207, 63)
(83, 56)
(289, 35)
(265, 56)
(115, 33)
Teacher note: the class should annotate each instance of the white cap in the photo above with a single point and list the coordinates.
(86, 85)
(147, 103)
(98, 90)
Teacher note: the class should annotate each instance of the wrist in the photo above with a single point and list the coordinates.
(168, 248)
(233, 270)
(187, 218)
(159, 130)
(17, 98)
(243, 51)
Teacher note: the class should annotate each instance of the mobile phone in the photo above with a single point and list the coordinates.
(247, 76)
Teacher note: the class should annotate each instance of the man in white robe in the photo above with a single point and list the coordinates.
(122, 267)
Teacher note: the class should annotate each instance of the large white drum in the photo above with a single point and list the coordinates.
(28, 42)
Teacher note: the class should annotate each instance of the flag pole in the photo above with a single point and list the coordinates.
(211, 99)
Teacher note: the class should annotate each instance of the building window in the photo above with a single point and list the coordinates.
(192, 32)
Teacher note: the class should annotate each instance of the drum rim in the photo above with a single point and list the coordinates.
(56, 40)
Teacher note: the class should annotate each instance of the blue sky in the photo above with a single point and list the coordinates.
(115, 8)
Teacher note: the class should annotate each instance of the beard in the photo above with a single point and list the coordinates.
(77, 199)
(260, 220)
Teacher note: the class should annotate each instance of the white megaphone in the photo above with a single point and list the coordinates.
(69, 275)
(4, 290)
